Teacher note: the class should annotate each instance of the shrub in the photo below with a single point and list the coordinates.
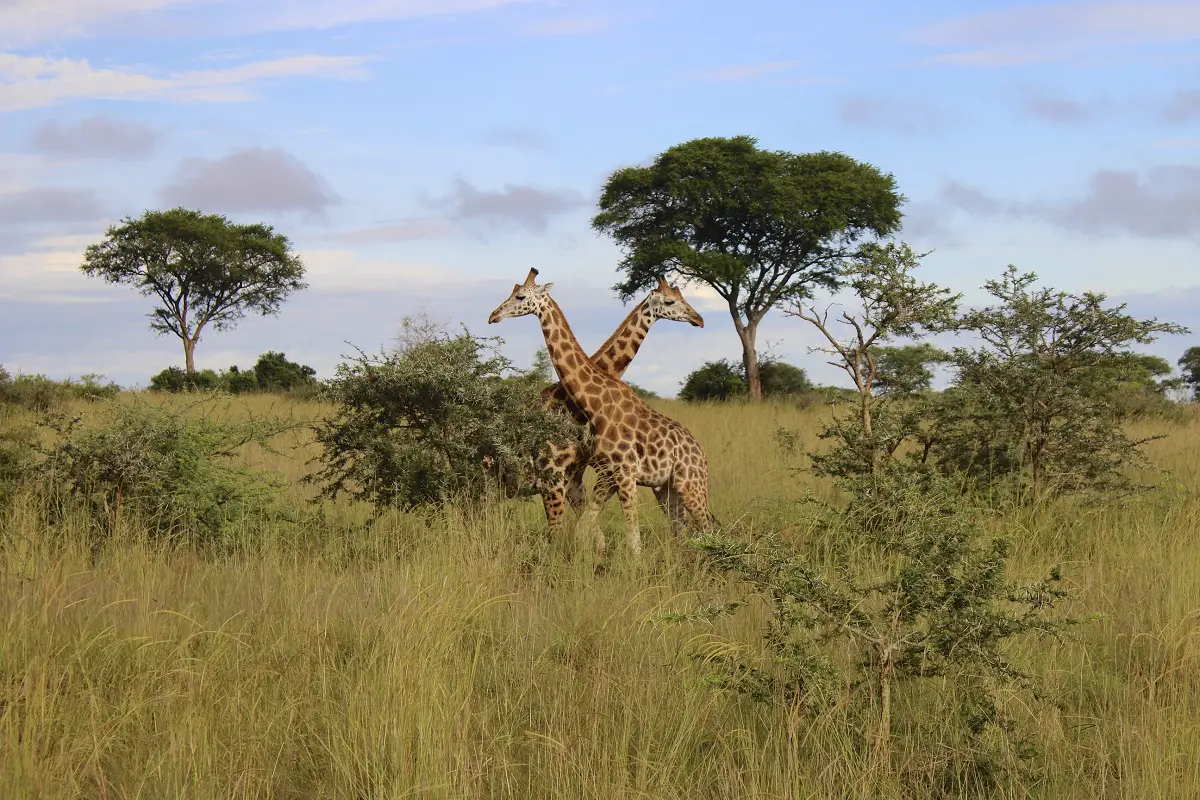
(437, 418)
(175, 379)
(275, 373)
(783, 380)
(235, 381)
(714, 380)
(170, 468)
(42, 394)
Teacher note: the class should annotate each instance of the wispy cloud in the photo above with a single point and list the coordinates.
(254, 179)
(1163, 203)
(1038, 102)
(1031, 33)
(744, 71)
(97, 136)
(402, 231)
(319, 14)
(911, 115)
(24, 22)
(520, 138)
(528, 206)
(37, 82)
(568, 26)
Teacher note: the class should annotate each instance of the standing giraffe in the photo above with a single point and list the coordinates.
(633, 445)
(563, 467)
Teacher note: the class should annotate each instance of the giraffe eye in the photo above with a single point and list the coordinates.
(520, 297)
(668, 302)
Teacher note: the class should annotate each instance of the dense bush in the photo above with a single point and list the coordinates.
(273, 372)
(169, 468)
(723, 380)
(432, 420)
(39, 393)
(714, 380)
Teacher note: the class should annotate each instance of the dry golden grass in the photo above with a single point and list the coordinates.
(415, 657)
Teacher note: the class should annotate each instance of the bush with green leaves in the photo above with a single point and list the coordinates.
(782, 380)
(1189, 367)
(439, 418)
(275, 373)
(42, 394)
(713, 380)
(18, 454)
(175, 470)
(906, 370)
(897, 613)
(1032, 411)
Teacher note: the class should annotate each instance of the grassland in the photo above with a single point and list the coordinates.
(418, 656)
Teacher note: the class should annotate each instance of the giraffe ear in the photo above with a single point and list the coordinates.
(546, 287)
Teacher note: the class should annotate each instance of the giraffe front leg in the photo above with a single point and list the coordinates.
(627, 491)
(672, 505)
(606, 485)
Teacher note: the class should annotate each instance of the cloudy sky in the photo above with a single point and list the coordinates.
(422, 154)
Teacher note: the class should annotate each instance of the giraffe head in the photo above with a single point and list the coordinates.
(666, 302)
(526, 298)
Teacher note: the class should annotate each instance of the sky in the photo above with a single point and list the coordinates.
(423, 154)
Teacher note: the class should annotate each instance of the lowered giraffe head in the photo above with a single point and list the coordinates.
(666, 302)
(526, 298)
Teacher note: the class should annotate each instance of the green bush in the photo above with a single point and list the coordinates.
(275, 373)
(441, 418)
(171, 469)
(42, 394)
(783, 380)
(714, 380)
(235, 381)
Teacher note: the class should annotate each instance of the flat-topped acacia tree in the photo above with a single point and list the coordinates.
(203, 269)
(760, 227)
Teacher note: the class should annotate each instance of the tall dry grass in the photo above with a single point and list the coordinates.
(433, 656)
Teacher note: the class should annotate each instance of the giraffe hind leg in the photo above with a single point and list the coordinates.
(672, 505)
(627, 489)
(606, 486)
(694, 496)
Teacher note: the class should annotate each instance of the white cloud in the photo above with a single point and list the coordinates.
(53, 275)
(296, 14)
(744, 71)
(331, 270)
(1031, 33)
(38, 82)
(27, 21)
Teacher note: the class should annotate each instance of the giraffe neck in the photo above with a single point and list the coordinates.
(617, 352)
(575, 370)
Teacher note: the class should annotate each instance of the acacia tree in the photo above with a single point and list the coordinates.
(203, 270)
(1189, 365)
(760, 227)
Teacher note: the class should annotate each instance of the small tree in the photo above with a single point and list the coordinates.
(780, 379)
(203, 270)
(906, 371)
(713, 380)
(1189, 365)
(439, 418)
(903, 589)
(760, 227)
(273, 372)
(1032, 405)
(892, 303)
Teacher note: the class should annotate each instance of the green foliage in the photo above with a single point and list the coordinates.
(1032, 409)
(713, 380)
(18, 454)
(441, 417)
(642, 392)
(781, 380)
(274, 372)
(1189, 365)
(760, 227)
(891, 303)
(237, 381)
(175, 379)
(42, 394)
(903, 595)
(201, 269)
(906, 370)
(172, 469)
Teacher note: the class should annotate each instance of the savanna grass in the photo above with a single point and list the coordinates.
(456, 654)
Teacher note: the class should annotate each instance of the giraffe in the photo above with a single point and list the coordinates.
(633, 445)
(563, 467)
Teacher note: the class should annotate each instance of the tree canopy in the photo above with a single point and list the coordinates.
(202, 269)
(758, 226)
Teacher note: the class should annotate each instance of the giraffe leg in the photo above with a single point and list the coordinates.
(672, 505)
(606, 486)
(574, 485)
(693, 493)
(627, 490)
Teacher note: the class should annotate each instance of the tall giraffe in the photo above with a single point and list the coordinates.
(563, 467)
(633, 445)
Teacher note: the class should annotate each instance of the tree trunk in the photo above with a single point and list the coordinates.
(883, 736)
(189, 359)
(748, 334)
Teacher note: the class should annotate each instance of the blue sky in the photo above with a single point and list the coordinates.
(422, 154)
